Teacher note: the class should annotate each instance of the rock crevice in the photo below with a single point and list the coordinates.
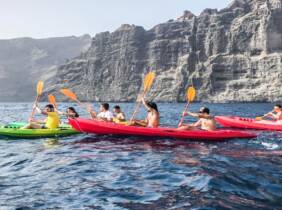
(234, 54)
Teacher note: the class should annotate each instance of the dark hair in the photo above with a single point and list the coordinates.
(74, 111)
(205, 110)
(105, 106)
(152, 105)
(116, 107)
(50, 106)
(279, 106)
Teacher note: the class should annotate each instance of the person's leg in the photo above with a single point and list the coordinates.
(32, 126)
(187, 127)
(141, 123)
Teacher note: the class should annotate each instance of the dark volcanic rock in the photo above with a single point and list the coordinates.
(24, 60)
(234, 54)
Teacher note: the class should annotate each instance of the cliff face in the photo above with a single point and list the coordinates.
(234, 54)
(24, 60)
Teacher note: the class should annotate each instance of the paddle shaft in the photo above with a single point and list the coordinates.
(185, 110)
(137, 107)
(33, 109)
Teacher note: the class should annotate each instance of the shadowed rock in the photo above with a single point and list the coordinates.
(234, 54)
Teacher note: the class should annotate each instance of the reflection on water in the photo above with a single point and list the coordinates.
(108, 172)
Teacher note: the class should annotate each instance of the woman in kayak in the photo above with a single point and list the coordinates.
(51, 122)
(275, 114)
(153, 117)
(70, 112)
(119, 116)
(104, 113)
(206, 121)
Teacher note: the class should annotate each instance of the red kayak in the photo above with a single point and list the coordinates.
(100, 127)
(240, 122)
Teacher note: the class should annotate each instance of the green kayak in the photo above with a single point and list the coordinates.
(13, 131)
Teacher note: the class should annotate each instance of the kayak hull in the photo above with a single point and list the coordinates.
(247, 123)
(14, 131)
(106, 128)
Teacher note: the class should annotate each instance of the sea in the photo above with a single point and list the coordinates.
(89, 171)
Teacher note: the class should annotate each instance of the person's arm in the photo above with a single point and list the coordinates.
(146, 105)
(121, 116)
(276, 116)
(270, 115)
(91, 112)
(110, 117)
(37, 108)
(59, 112)
(37, 121)
(193, 114)
(198, 123)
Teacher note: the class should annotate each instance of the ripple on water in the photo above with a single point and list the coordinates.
(106, 172)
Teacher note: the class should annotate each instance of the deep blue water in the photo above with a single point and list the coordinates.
(107, 172)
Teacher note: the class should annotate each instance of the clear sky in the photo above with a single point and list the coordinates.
(52, 18)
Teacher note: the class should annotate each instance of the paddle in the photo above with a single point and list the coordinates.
(68, 93)
(148, 81)
(191, 94)
(39, 90)
(52, 100)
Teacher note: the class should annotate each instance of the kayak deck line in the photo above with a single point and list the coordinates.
(110, 128)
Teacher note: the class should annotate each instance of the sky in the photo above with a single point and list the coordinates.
(56, 18)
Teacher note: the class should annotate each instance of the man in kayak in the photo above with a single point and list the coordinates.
(275, 114)
(104, 113)
(153, 117)
(51, 122)
(119, 116)
(205, 122)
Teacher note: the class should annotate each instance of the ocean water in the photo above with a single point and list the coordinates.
(109, 172)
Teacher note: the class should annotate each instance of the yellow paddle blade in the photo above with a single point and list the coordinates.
(258, 118)
(148, 81)
(39, 88)
(191, 94)
(69, 94)
(52, 99)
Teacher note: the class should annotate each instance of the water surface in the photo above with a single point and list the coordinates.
(108, 172)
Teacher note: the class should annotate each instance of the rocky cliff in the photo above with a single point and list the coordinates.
(234, 54)
(24, 60)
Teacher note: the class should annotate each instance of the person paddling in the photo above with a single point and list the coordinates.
(70, 112)
(51, 122)
(119, 116)
(104, 113)
(153, 117)
(206, 121)
(275, 114)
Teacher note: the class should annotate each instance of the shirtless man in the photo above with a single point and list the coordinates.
(119, 115)
(275, 114)
(153, 117)
(206, 122)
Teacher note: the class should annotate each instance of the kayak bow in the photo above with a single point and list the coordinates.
(248, 123)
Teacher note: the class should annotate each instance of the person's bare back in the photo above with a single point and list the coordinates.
(153, 119)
